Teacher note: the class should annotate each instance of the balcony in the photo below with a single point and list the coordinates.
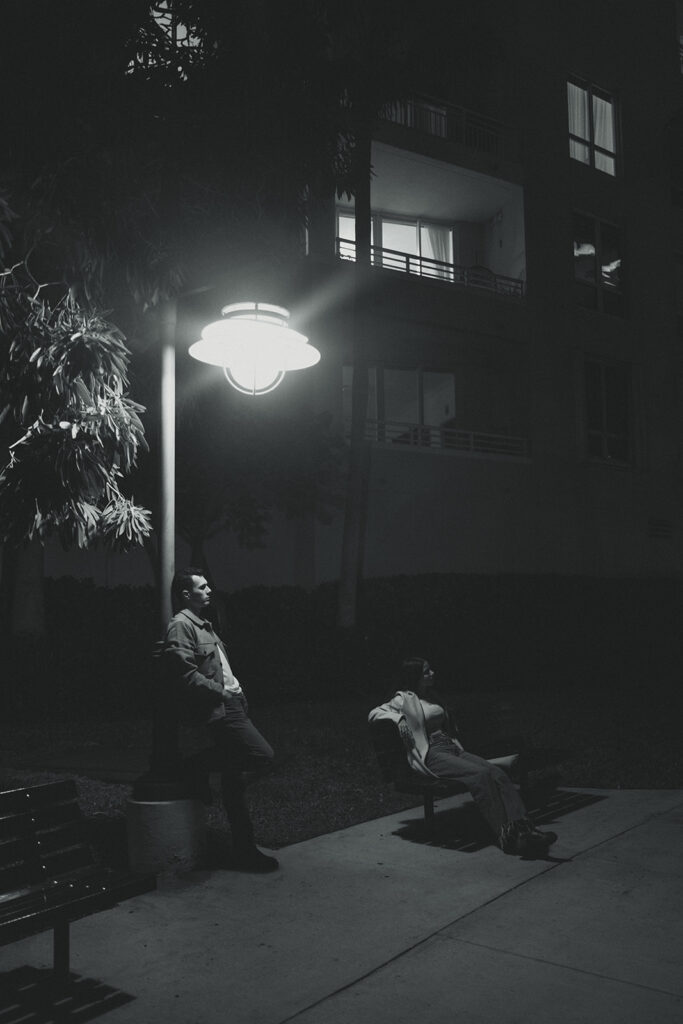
(450, 439)
(437, 270)
(455, 124)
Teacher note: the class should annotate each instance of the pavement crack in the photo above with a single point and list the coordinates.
(567, 967)
(416, 945)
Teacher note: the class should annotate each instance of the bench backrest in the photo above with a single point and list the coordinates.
(391, 754)
(41, 835)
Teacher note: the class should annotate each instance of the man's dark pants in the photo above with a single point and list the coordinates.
(238, 747)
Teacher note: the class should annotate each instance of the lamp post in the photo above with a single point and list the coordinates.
(255, 347)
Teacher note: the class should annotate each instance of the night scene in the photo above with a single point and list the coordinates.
(341, 511)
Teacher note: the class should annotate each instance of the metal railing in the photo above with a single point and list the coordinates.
(438, 270)
(449, 438)
(446, 121)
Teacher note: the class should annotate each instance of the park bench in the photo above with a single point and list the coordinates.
(48, 874)
(395, 769)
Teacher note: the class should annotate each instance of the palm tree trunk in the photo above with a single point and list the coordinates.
(355, 506)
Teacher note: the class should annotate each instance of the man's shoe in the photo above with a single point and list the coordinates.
(534, 843)
(254, 860)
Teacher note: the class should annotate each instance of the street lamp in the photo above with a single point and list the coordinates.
(255, 346)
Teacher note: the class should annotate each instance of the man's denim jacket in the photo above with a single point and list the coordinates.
(191, 663)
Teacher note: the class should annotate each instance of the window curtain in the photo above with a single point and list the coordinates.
(579, 123)
(437, 244)
(603, 129)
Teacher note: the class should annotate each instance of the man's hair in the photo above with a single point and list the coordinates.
(182, 581)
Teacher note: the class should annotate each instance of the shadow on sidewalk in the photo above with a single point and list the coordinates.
(463, 829)
(30, 994)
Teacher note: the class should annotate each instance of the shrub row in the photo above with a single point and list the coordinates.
(479, 632)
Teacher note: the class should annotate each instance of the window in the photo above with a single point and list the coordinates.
(598, 264)
(609, 412)
(592, 127)
(411, 246)
(405, 398)
(430, 245)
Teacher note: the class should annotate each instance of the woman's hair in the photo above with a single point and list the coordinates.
(412, 678)
(412, 671)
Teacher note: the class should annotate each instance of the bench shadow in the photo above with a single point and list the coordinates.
(31, 994)
(462, 828)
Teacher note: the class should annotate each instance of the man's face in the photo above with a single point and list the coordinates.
(199, 597)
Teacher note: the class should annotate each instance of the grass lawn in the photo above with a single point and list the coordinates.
(326, 776)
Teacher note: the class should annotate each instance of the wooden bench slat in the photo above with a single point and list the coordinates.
(48, 841)
(40, 865)
(38, 818)
(32, 918)
(14, 801)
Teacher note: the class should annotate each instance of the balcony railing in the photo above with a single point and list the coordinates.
(449, 438)
(446, 121)
(423, 266)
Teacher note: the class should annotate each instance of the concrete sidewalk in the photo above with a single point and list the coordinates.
(365, 926)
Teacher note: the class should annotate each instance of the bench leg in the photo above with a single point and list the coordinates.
(428, 801)
(61, 951)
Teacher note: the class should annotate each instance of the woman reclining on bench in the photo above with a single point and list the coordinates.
(432, 752)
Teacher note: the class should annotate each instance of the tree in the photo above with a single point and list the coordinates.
(63, 375)
(383, 52)
(63, 382)
(171, 145)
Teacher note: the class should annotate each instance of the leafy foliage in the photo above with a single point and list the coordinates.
(63, 375)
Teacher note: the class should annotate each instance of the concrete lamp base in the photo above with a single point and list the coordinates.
(165, 835)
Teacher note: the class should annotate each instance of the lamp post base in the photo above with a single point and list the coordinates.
(165, 835)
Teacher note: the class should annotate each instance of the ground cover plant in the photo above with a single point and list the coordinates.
(326, 777)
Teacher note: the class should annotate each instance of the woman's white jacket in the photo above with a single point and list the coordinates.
(406, 711)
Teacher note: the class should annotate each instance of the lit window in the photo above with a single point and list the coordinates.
(608, 412)
(592, 127)
(410, 246)
(598, 264)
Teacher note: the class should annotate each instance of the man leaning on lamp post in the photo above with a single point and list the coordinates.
(195, 662)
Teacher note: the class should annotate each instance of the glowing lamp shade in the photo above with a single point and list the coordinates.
(255, 346)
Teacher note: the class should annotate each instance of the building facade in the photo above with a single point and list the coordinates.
(521, 315)
(520, 321)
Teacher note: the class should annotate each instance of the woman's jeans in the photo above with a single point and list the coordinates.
(493, 792)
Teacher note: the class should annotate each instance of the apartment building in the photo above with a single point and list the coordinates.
(521, 314)
(521, 318)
